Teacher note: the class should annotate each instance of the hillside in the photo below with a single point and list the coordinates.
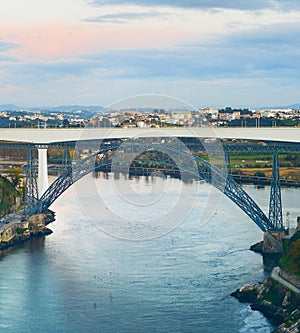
(8, 196)
(290, 260)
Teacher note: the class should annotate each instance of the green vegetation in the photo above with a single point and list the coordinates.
(272, 294)
(20, 231)
(11, 187)
(259, 164)
(15, 176)
(291, 257)
(8, 195)
(262, 160)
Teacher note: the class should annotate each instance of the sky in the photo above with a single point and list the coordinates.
(94, 52)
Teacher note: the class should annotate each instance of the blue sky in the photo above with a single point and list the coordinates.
(207, 52)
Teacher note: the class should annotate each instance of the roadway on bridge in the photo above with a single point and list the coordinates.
(47, 136)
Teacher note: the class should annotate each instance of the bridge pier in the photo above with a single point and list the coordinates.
(31, 184)
(227, 161)
(272, 242)
(42, 183)
(66, 160)
(275, 206)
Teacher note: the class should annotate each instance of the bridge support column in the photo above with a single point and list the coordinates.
(42, 171)
(31, 182)
(227, 161)
(275, 206)
(66, 160)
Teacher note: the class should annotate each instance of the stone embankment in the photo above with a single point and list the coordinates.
(25, 228)
(271, 244)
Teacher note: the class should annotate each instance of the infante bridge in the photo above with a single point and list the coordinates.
(110, 148)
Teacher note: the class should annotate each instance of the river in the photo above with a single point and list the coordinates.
(85, 278)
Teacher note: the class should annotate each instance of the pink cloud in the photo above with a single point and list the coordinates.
(54, 42)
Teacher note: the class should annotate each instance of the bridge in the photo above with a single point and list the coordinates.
(47, 136)
(40, 196)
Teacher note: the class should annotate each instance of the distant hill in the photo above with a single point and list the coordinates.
(291, 106)
(67, 108)
(94, 108)
(9, 107)
(60, 108)
(294, 106)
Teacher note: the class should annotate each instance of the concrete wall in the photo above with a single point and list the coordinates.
(291, 278)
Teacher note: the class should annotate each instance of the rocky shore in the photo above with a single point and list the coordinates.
(29, 227)
(278, 297)
(278, 303)
(24, 238)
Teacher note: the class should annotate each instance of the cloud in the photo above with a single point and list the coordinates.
(45, 71)
(245, 59)
(205, 4)
(258, 53)
(124, 17)
(269, 52)
(279, 36)
(5, 46)
(7, 59)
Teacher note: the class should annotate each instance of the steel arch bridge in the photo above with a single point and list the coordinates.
(213, 174)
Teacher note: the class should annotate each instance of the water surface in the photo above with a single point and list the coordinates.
(80, 279)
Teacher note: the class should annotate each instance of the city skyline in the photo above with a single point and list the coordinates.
(96, 52)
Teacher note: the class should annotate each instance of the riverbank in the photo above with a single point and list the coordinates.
(278, 297)
(276, 301)
(24, 238)
(25, 228)
(237, 175)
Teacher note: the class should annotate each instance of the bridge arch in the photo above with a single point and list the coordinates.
(221, 181)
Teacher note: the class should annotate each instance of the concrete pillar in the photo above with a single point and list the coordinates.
(42, 172)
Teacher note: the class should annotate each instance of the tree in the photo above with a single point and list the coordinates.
(8, 196)
(15, 176)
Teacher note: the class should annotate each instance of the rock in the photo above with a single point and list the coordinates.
(258, 247)
(289, 328)
(273, 313)
(279, 304)
(286, 301)
(246, 294)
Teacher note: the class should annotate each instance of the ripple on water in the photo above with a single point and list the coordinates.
(82, 280)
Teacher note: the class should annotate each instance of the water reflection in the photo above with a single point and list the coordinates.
(81, 280)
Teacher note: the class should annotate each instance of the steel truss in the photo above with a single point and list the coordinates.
(275, 205)
(217, 176)
(31, 196)
(221, 180)
(66, 160)
(226, 184)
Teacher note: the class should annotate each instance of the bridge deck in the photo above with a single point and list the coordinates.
(46, 136)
